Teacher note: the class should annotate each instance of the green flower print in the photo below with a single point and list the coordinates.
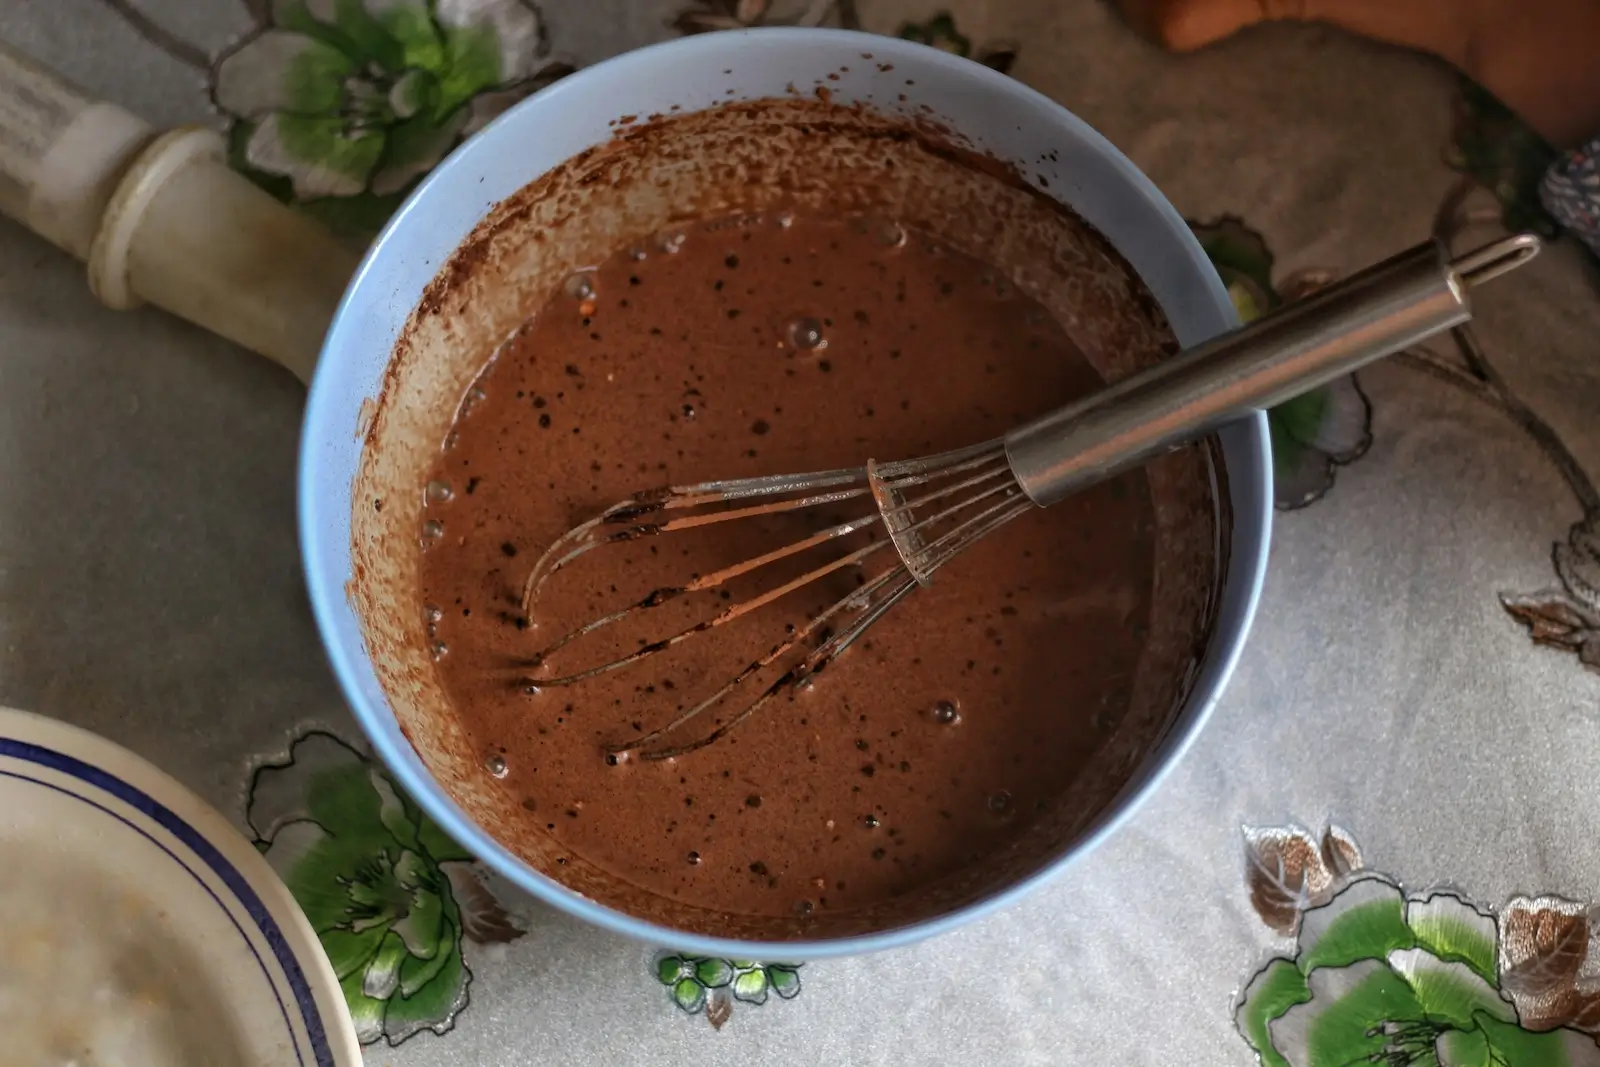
(704, 983)
(1380, 977)
(344, 104)
(1500, 152)
(1314, 433)
(940, 32)
(390, 896)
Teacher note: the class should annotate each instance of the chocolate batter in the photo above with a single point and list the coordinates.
(761, 345)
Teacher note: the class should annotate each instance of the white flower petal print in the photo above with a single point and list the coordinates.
(411, 24)
(1362, 897)
(392, 810)
(382, 976)
(1461, 1048)
(278, 794)
(1449, 990)
(408, 95)
(291, 844)
(367, 1015)
(516, 27)
(419, 923)
(313, 177)
(1346, 429)
(260, 77)
(1291, 1031)
(1451, 928)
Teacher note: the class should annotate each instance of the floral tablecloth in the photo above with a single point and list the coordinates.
(1382, 849)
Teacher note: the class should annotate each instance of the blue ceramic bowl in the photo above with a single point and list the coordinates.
(998, 114)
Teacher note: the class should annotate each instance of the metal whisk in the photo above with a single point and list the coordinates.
(936, 507)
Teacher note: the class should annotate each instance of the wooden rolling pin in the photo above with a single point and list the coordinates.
(160, 218)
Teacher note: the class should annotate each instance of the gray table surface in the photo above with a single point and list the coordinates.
(150, 586)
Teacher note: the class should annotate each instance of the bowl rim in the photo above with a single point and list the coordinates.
(1249, 480)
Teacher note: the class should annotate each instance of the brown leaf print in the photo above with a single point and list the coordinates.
(1288, 871)
(721, 15)
(1340, 853)
(1555, 620)
(1544, 944)
(483, 918)
(1305, 282)
(1569, 617)
(719, 1009)
(1275, 870)
(1551, 616)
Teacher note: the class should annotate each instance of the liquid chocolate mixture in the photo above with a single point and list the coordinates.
(763, 345)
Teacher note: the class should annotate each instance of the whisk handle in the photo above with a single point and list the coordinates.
(1379, 311)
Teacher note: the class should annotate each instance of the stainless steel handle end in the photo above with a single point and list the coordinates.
(1379, 311)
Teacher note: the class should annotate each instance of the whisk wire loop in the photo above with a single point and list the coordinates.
(931, 508)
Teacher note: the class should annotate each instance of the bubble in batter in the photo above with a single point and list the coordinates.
(805, 334)
(671, 241)
(580, 286)
(440, 650)
(1001, 803)
(496, 765)
(892, 235)
(945, 713)
(432, 531)
(432, 613)
(439, 492)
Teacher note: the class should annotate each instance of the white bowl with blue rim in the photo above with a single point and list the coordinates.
(356, 544)
(140, 926)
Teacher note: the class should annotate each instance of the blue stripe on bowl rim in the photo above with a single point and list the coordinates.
(193, 840)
